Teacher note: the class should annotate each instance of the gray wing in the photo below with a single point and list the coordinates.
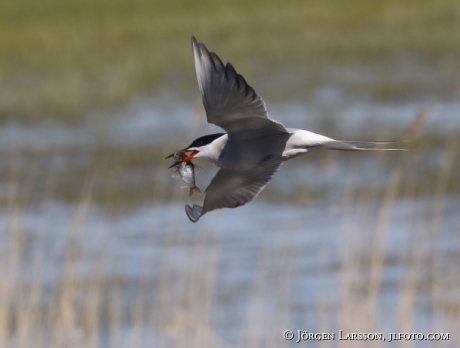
(232, 188)
(229, 101)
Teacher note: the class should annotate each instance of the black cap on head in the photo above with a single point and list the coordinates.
(205, 140)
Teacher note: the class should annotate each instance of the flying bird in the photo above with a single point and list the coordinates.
(254, 145)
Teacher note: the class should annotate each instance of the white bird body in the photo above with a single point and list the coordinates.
(248, 153)
(254, 147)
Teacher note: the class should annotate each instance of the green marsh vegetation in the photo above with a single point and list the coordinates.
(60, 59)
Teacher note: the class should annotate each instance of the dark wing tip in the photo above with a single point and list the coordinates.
(194, 213)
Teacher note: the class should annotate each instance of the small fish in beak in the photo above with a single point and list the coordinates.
(185, 169)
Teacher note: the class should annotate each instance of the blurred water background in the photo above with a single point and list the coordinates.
(95, 247)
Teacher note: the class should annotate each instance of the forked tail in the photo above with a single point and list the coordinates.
(359, 145)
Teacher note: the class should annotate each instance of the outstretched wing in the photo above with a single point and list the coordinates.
(232, 188)
(229, 101)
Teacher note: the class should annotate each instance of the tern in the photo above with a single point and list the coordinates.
(254, 145)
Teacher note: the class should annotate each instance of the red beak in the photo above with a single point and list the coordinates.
(186, 157)
(189, 157)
